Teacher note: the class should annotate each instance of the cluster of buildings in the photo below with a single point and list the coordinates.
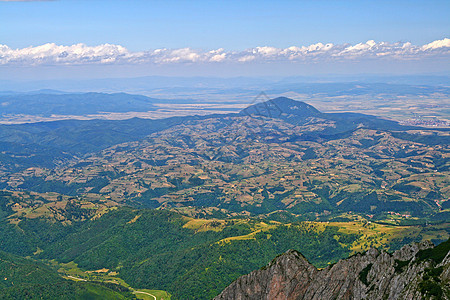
(426, 122)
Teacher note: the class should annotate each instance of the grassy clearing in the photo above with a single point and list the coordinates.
(381, 235)
(200, 225)
(370, 234)
(71, 271)
(160, 295)
(257, 227)
(373, 234)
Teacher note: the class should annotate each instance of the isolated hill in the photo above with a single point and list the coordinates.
(417, 271)
(299, 112)
(280, 106)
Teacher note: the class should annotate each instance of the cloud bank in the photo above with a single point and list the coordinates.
(81, 54)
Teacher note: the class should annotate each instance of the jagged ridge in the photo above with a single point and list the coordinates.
(416, 271)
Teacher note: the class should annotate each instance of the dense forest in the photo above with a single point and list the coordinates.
(154, 249)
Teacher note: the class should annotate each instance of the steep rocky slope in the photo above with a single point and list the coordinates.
(417, 271)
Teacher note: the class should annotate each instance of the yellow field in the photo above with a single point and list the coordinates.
(370, 234)
(200, 225)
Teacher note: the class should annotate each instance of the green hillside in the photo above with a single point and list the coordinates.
(28, 279)
(187, 257)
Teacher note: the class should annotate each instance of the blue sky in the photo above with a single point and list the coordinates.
(145, 25)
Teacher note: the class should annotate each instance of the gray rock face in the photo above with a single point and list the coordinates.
(405, 274)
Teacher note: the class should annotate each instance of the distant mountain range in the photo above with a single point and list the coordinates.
(318, 84)
(55, 103)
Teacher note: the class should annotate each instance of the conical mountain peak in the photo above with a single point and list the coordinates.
(277, 107)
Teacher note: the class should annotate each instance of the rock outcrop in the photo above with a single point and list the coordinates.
(416, 271)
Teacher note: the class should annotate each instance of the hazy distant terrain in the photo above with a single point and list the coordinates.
(73, 104)
(424, 99)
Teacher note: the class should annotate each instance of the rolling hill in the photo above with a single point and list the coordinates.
(273, 157)
(28, 279)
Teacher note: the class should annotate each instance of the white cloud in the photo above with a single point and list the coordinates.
(267, 51)
(81, 54)
(246, 58)
(445, 43)
(54, 54)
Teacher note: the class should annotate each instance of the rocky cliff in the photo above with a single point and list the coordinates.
(417, 271)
